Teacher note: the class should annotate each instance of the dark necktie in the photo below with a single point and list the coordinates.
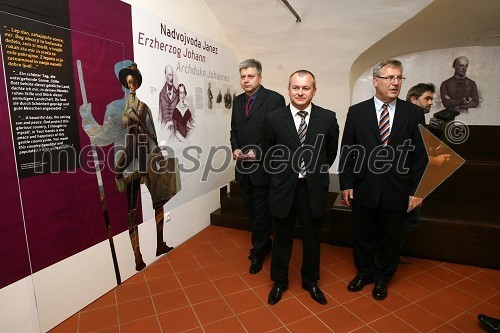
(302, 136)
(384, 125)
(248, 106)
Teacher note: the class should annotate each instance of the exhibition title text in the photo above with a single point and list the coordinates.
(191, 47)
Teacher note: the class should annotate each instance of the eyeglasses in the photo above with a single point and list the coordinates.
(391, 78)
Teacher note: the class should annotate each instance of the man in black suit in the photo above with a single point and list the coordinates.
(247, 135)
(381, 163)
(302, 141)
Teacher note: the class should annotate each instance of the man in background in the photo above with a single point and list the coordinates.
(459, 92)
(421, 95)
(248, 116)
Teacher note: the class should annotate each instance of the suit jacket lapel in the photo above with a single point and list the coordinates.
(290, 125)
(400, 116)
(312, 126)
(257, 103)
(240, 112)
(370, 115)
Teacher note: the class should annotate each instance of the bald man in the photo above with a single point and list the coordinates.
(459, 92)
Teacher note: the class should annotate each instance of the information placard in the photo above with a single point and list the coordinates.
(40, 92)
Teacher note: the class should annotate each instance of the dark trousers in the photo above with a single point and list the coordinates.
(410, 221)
(257, 210)
(377, 241)
(284, 229)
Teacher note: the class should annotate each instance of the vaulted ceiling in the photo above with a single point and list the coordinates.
(339, 38)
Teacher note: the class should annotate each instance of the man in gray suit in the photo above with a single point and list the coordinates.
(301, 145)
(247, 136)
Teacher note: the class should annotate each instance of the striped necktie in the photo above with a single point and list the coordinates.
(302, 136)
(303, 126)
(384, 125)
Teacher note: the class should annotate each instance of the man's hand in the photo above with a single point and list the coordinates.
(439, 160)
(238, 155)
(347, 196)
(250, 155)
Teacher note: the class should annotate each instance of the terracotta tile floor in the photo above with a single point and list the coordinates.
(204, 286)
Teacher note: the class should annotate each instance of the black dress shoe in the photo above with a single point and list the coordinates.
(379, 291)
(255, 266)
(358, 283)
(316, 294)
(275, 294)
(491, 324)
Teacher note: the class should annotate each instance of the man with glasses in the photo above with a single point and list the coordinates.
(382, 160)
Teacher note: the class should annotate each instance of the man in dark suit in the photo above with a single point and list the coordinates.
(381, 163)
(247, 135)
(301, 145)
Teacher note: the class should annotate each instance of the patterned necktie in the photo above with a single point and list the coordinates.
(383, 125)
(302, 136)
(303, 126)
(248, 106)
